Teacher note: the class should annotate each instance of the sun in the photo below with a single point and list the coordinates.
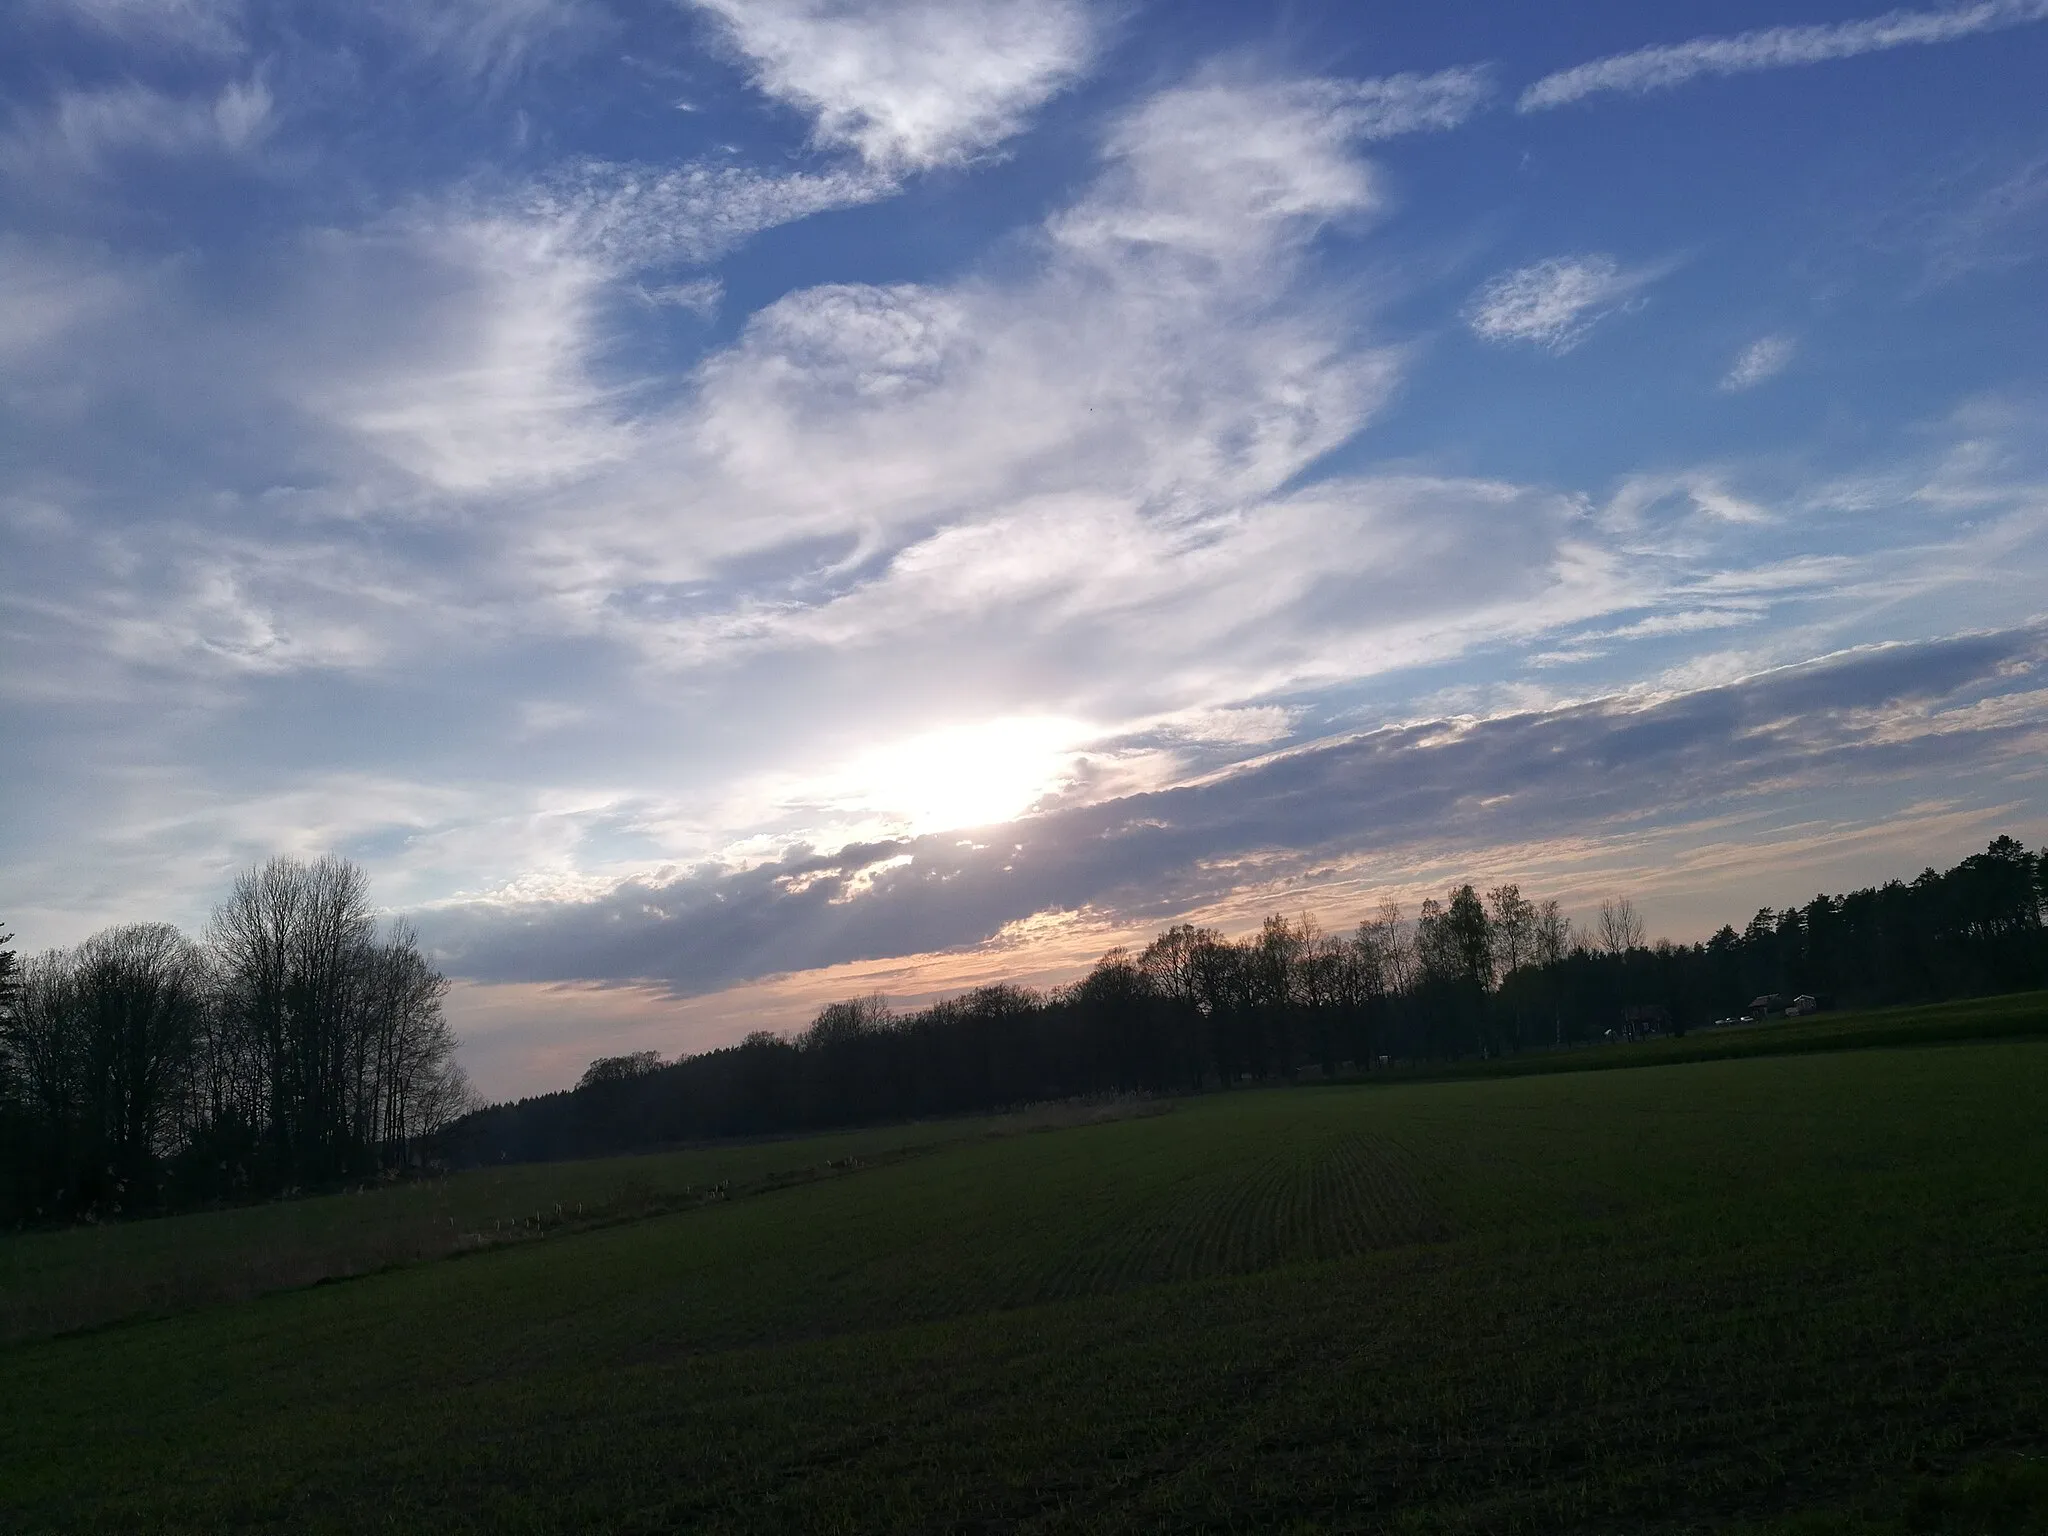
(966, 775)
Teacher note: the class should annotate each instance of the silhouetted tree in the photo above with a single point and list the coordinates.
(619, 1069)
(40, 1062)
(331, 1042)
(297, 1045)
(10, 971)
(98, 1049)
(139, 994)
(1116, 1006)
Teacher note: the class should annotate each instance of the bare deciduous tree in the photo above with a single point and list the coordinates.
(1551, 932)
(1174, 963)
(329, 1042)
(1386, 950)
(98, 1051)
(1621, 926)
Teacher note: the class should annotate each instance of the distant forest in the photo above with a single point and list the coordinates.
(294, 1047)
(1471, 975)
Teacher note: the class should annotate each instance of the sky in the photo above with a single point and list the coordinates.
(724, 504)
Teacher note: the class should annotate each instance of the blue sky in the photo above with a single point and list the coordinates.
(722, 505)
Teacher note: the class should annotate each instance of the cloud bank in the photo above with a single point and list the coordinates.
(1858, 719)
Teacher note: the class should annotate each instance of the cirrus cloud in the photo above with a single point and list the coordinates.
(1673, 64)
(1763, 359)
(1556, 302)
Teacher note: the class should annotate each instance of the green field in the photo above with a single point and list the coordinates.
(1790, 1291)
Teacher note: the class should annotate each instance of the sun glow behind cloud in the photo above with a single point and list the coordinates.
(957, 776)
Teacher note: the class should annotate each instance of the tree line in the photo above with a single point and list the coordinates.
(1472, 974)
(294, 1045)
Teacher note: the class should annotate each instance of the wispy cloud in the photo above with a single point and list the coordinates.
(205, 26)
(492, 387)
(1401, 104)
(1633, 508)
(1227, 165)
(84, 130)
(502, 383)
(1162, 368)
(489, 42)
(2000, 225)
(46, 288)
(633, 216)
(700, 296)
(912, 84)
(1673, 64)
(1764, 358)
(1554, 303)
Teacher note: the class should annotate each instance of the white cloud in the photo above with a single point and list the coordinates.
(1660, 68)
(1556, 302)
(1763, 359)
(1222, 166)
(965, 775)
(911, 84)
(491, 375)
(1330, 584)
(1161, 356)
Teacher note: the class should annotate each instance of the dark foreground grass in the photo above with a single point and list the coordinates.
(1794, 1293)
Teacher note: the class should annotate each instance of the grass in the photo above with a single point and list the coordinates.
(1786, 1293)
